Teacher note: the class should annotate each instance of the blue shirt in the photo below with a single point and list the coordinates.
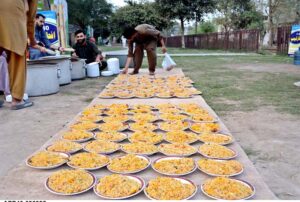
(40, 36)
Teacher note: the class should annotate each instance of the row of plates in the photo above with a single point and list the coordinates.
(143, 186)
(136, 171)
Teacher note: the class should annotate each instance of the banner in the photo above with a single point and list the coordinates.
(50, 27)
(294, 40)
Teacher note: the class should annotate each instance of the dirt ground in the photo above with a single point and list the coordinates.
(269, 138)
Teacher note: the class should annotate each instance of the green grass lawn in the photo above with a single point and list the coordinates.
(111, 48)
(227, 89)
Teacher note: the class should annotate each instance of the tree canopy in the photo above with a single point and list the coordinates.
(89, 12)
(134, 14)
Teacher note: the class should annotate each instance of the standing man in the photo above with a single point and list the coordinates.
(16, 25)
(146, 38)
(87, 50)
(41, 39)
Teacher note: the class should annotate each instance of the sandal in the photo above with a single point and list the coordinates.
(22, 105)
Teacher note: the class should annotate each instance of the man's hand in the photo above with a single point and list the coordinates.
(61, 49)
(163, 49)
(42, 49)
(74, 55)
(98, 60)
(125, 70)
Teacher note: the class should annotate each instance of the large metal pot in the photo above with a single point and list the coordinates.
(78, 70)
(65, 67)
(42, 79)
(64, 64)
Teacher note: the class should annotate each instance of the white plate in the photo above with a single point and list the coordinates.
(172, 158)
(96, 168)
(146, 154)
(137, 179)
(71, 194)
(217, 175)
(182, 180)
(209, 157)
(69, 152)
(51, 167)
(124, 138)
(241, 181)
(131, 172)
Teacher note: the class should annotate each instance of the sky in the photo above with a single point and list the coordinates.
(118, 3)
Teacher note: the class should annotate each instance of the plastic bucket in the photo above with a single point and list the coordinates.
(93, 70)
(113, 65)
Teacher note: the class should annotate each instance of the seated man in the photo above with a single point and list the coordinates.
(87, 50)
(41, 40)
(146, 37)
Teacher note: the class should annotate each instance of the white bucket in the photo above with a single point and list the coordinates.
(93, 69)
(113, 65)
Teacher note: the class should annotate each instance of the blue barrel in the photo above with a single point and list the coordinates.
(297, 57)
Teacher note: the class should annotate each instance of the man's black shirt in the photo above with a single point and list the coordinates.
(87, 50)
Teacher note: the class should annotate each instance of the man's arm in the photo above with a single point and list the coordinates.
(129, 56)
(97, 52)
(163, 46)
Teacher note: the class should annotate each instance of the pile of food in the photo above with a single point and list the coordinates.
(146, 137)
(45, 159)
(216, 151)
(64, 146)
(113, 136)
(117, 186)
(77, 135)
(181, 137)
(148, 87)
(217, 138)
(167, 188)
(101, 146)
(139, 148)
(87, 160)
(129, 163)
(205, 127)
(70, 181)
(220, 167)
(177, 149)
(227, 189)
(174, 166)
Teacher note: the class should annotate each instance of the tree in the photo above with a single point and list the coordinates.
(89, 12)
(201, 7)
(177, 9)
(134, 14)
(238, 14)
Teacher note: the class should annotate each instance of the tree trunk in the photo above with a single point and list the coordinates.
(182, 33)
(270, 23)
(196, 26)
